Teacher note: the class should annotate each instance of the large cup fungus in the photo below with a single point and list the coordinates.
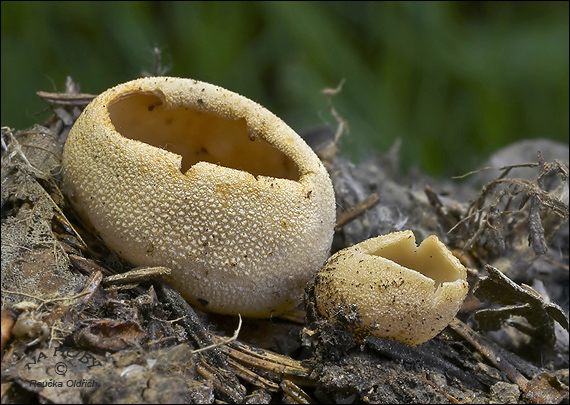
(400, 291)
(180, 173)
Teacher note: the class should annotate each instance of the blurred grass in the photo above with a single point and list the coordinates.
(454, 80)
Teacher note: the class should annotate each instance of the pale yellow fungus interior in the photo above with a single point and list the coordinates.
(426, 259)
(198, 136)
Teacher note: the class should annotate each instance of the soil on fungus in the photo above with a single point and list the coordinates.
(81, 326)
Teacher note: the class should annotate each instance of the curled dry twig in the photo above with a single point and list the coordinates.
(504, 203)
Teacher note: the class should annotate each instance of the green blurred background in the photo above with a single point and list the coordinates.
(454, 80)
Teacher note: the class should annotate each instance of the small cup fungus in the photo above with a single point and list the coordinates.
(401, 291)
(180, 173)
